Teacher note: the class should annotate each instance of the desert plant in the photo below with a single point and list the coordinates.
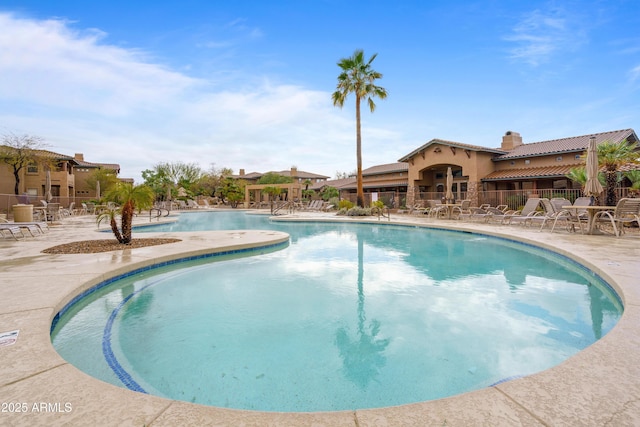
(345, 204)
(129, 197)
(359, 211)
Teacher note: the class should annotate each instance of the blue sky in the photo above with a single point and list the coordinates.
(247, 84)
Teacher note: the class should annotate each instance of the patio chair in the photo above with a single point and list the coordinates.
(574, 216)
(436, 209)
(627, 211)
(53, 212)
(464, 208)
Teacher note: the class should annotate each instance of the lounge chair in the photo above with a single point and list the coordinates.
(475, 214)
(12, 229)
(627, 211)
(32, 226)
(418, 209)
(551, 209)
(314, 205)
(528, 211)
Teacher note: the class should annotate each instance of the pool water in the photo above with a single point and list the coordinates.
(348, 316)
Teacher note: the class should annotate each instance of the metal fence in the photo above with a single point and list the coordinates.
(514, 199)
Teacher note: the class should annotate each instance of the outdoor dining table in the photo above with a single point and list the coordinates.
(591, 213)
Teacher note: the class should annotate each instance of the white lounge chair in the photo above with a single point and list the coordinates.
(528, 211)
(12, 229)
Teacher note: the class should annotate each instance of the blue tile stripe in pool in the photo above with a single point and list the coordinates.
(107, 350)
(124, 377)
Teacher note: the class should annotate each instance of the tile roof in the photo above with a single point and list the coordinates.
(337, 183)
(450, 144)
(545, 172)
(85, 164)
(540, 172)
(302, 174)
(386, 168)
(566, 145)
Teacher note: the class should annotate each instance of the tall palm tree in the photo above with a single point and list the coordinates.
(359, 78)
(129, 197)
(612, 155)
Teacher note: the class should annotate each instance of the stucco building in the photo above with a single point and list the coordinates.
(482, 174)
(69, 177)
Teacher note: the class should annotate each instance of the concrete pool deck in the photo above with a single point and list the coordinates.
(598, 386)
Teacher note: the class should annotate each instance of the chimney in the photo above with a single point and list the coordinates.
(79, 156)
(241, 172)
(294, 171)
(511, 140)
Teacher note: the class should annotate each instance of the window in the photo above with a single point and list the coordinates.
(32, 168)
(439, 175)
(559, 159)
(578, 157)
(32, 191)
(512, 163)
(527, 162)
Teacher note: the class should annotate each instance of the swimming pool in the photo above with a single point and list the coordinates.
(348, 316)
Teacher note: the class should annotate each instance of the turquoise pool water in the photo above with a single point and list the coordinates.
(347, 316)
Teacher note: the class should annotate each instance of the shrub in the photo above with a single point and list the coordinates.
(345, 204)
(358, 211)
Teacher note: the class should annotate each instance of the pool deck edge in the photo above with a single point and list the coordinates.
(598, 386)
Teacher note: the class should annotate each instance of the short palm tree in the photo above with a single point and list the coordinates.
(579, 175)
(359, 78)
(612, 155)
(129, 197)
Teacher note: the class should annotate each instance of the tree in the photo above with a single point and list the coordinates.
(274, 178)
(232, 190)
(129, 197)
(359, 78)
(20, 151)
(579, 175)
(612, 155)
(328, 192)
(106, 177)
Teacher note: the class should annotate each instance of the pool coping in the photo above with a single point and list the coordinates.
(600, 385)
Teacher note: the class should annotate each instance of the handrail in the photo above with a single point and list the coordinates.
(277, 207)
(158, 213)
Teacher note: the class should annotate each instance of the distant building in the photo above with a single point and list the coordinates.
(298, 176)
(69, 176)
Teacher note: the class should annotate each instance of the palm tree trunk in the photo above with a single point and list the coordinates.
(612, 198)
(360, 190)
(127, 218)
(114, 228)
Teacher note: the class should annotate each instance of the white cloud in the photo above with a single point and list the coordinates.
(116, 105)
(542, 34)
